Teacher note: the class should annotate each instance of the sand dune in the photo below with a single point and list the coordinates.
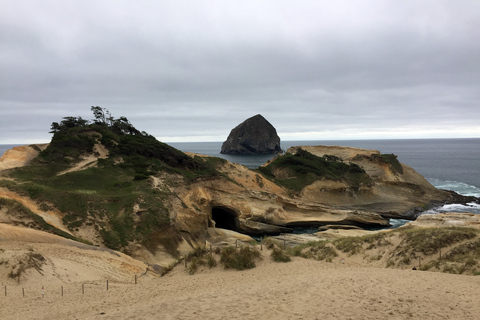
(301, 289)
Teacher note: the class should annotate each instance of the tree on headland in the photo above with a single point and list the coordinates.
(102, 117)
(68, 122)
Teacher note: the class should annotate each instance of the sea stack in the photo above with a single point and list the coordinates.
(253, 136)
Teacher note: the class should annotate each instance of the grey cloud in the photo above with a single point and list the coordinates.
(184, 68)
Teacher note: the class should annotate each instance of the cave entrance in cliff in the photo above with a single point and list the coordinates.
(225, 218)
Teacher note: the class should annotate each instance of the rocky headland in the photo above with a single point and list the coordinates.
(122, 189)
(239, 201)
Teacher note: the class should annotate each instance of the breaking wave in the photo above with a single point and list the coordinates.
(460, 188)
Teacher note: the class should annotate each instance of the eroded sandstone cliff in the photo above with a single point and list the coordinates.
(247, 202)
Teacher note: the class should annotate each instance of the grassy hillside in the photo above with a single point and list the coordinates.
(115, 197)
(296, 171)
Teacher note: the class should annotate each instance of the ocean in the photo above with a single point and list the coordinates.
(452, 164)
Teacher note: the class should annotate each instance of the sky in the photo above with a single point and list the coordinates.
(193, 70)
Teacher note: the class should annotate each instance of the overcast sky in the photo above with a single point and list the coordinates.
(193, 70)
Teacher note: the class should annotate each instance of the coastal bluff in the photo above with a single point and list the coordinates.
(253, 136)
(237, 202)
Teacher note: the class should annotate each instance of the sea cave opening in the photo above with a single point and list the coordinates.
(225, 218)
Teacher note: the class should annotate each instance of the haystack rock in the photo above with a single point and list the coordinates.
(253, 136)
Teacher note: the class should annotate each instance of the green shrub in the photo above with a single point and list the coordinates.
(305, 168)
(318, 250)
(211, 262)
(195, 262)
(241, 259)
(350, 245)
(430, 240)
(279, 255)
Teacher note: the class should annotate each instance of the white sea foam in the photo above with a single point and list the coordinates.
(459, 187)
(455, 207)
(395, 223)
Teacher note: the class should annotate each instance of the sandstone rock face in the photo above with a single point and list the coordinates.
(449, 219)
(393, 194)
(253, 136)
(20, 156)
(254, 205)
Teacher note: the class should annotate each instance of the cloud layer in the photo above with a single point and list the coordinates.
(193, 70)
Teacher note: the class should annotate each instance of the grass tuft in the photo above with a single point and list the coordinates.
(241, 259)
(279, 255)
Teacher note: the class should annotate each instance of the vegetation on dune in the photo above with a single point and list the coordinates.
(317, 250)
(104, 196)
(20, 264)
(279, 255)
(199, 257)
(24, 216)
(419, 247)
(239, 259)
(296, 171)
(401, 248)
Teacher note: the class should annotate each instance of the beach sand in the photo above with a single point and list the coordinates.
(301, 289)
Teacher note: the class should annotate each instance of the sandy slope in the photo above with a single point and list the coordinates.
(302, 289)
(20, 156)
(62, 261)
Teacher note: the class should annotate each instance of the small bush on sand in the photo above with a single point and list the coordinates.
(241, 259)
(195, 262)
(350, 245)
(27, 261)
(318, 250)
(279, 255)
(211, 262)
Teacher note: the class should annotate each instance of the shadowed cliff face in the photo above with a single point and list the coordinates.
(253, 136)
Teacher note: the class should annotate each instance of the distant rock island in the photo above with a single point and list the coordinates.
(253, 136)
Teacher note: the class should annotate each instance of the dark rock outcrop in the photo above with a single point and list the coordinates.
(253, 136)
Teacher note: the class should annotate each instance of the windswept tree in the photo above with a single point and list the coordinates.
(99, 114)
(102, 118)
(68, 122)
(122, 125)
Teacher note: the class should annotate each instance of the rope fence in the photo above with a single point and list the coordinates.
(60, 290)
